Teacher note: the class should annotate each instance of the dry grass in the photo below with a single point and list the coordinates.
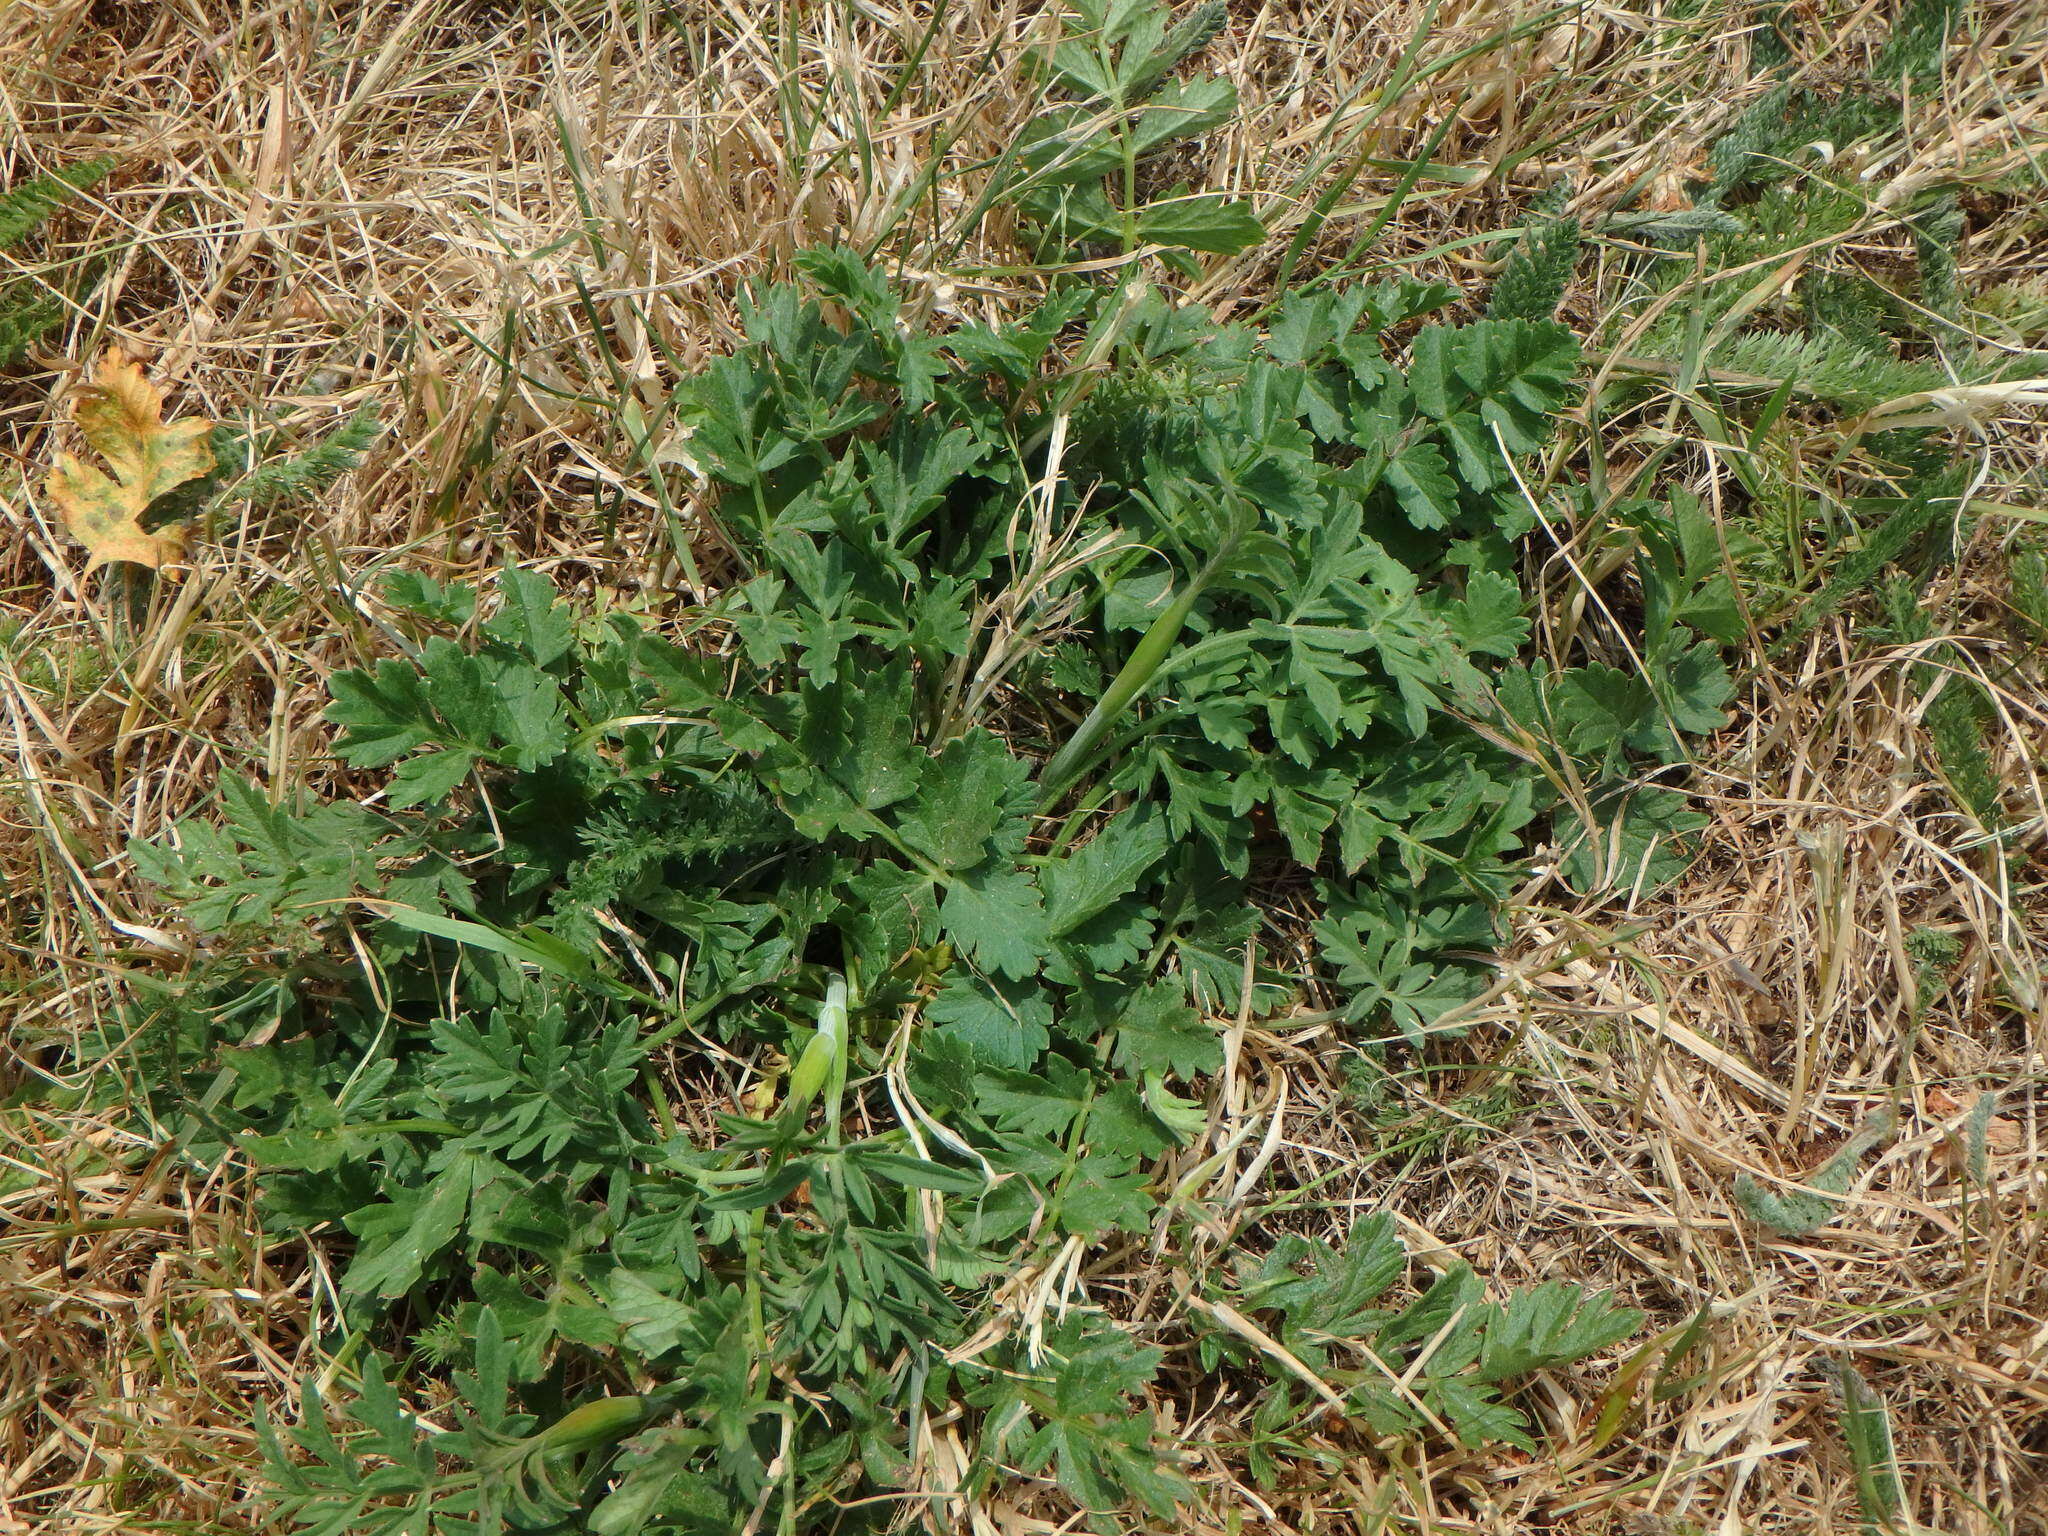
(1751, 1021)
(144, 1314)
(394, 202)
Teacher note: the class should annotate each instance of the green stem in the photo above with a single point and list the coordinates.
(593, 1425)
(657, 1099)
(757, 1312)
(1145, 662)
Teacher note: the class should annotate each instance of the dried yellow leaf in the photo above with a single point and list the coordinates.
(122, 415)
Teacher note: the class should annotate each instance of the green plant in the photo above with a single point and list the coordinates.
(1322, 1305)
(1782, 347)
(257, 464)
(1532, 283)
(1083, 172)
(1797, 1212)
(1934, 954)
(1782, 188)
(864, 835)
(28, 310)
(1867, 1432)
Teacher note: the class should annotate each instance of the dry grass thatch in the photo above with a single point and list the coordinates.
(145, 1314)
(394, 202)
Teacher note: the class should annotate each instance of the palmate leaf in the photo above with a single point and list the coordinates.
(1489, 620)
(1317, 682)
(1637, 840)
(1303, 325)
(833, 755)
(1475, 1411)
(998, 918)
(429, 778)
(1603, 708)
(1122, 1126)
(910, 472)
(269, 866)
(1325, 1300)
(532, 1084)
(1326, 1295)
(383, 714)
(1116, 59)
(1432, 372)
(1182, 109)
(1693, 686)
(1119, 52)
(859, 737)
(1159, 1033)
(1077, 1420)
(661, 1479)
(1102, 872)
(1514, 372)
(1422, 481)
(889, 912)
(121, 415)
(1004, 1026)
(397, 1241)
(530, 617)
(1105, 1194)
(971, 792)
(1687, 578)
(492, 706)
(1376, 942)
(1043, 1104)
(1520, 371)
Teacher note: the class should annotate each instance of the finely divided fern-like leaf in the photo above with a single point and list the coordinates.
(1760, 124)
(1920, 34)
(1867, 1430)
(1827, 366)
(307, 473)
(1905, 520)
(24, 207)
(1532, 284)
(1794, 1213)
(1960, 721)
(28, 311)
(24, 319)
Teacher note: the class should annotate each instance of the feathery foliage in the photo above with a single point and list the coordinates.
(1793, 1213)
(29, 309)
(988, 958)
(1532, 284)
(266, 479)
